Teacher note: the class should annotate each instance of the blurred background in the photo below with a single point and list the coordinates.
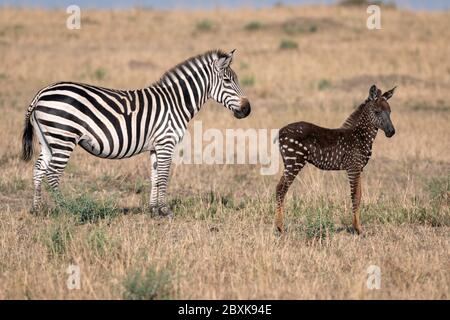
(205, 4)
(296, 61)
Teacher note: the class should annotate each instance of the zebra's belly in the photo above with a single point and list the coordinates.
(94, 149)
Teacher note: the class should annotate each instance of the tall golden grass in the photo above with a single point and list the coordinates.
(222, 243)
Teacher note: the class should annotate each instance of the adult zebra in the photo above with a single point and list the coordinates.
(118, 124)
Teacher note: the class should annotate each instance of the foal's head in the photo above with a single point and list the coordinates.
(380, 111)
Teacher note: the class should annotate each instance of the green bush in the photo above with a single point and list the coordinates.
(84, 208)
(152, 285)
(100, 74)
(253, 25)
(204, 25)
(248, 81)
(288, 44)
(58, 239)
(324, 84)
(319, 225)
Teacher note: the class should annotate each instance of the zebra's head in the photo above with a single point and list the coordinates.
(380, 110)
(225, 88)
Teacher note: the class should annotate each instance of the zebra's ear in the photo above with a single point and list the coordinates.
(374, 93)
(224, 62)
(388, 94)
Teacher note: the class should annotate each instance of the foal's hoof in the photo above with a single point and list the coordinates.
(358, 230)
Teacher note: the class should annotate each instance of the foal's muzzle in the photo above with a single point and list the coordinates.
(389, 132)
(245, 109)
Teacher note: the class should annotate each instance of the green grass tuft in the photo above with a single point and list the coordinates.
(288, 44)
(84, 208)
(100, 74)
(324, 84)
(248, 81)
(152, 285)
(204, 26)
(253, 26)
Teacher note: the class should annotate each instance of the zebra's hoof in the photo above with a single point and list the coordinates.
(34, 210)
(154, 210)
(164, 211)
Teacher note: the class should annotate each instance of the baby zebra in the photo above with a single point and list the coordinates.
(346, 148)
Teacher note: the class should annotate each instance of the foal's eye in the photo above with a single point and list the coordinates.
(377, 112)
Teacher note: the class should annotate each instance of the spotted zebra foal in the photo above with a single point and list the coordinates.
(118, 124)
(346, 148)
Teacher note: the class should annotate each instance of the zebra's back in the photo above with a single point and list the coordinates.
(108, 123)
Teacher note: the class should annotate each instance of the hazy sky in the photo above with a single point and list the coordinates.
(168, 4)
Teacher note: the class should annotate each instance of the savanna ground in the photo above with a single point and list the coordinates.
(295, 63)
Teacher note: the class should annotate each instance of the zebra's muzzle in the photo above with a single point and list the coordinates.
(245, 109)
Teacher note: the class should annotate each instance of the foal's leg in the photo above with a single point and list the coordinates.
(355, 188)
(292, 166)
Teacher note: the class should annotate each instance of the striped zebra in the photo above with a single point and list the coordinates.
(117, 124)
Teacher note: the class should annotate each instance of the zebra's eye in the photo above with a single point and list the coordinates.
(377, 112)
(226, 80)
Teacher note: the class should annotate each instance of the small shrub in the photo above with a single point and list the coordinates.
(324, 84)
(59, 236)
(288, 44)
(253, 25)
(319, 225)
(297, 27)
(204, 26)
(439, 188)
(244, 66)
(313, 28)
(100, 74)
(153, 285)
(98, 241)
(84, 208)
(248, 81)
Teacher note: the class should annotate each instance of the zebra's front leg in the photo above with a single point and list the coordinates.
(164, 161)
(154, 183)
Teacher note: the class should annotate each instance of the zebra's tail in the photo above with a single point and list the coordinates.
(27, 139)
(27, 135)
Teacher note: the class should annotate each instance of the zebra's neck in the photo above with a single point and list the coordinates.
(187, 85)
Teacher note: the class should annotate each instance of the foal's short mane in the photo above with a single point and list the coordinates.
(217, 53)
(351, 121)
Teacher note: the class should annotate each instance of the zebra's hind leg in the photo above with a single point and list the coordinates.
(58, 163)
(40, 169)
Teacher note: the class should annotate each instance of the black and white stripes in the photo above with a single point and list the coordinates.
(118, 124)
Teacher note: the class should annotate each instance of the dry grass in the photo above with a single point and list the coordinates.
(222, 243)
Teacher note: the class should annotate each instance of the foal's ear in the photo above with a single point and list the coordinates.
(388, 94)
(225, 61)
(374, 93)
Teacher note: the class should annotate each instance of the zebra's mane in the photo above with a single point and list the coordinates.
(213, 54)
(354, 117)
